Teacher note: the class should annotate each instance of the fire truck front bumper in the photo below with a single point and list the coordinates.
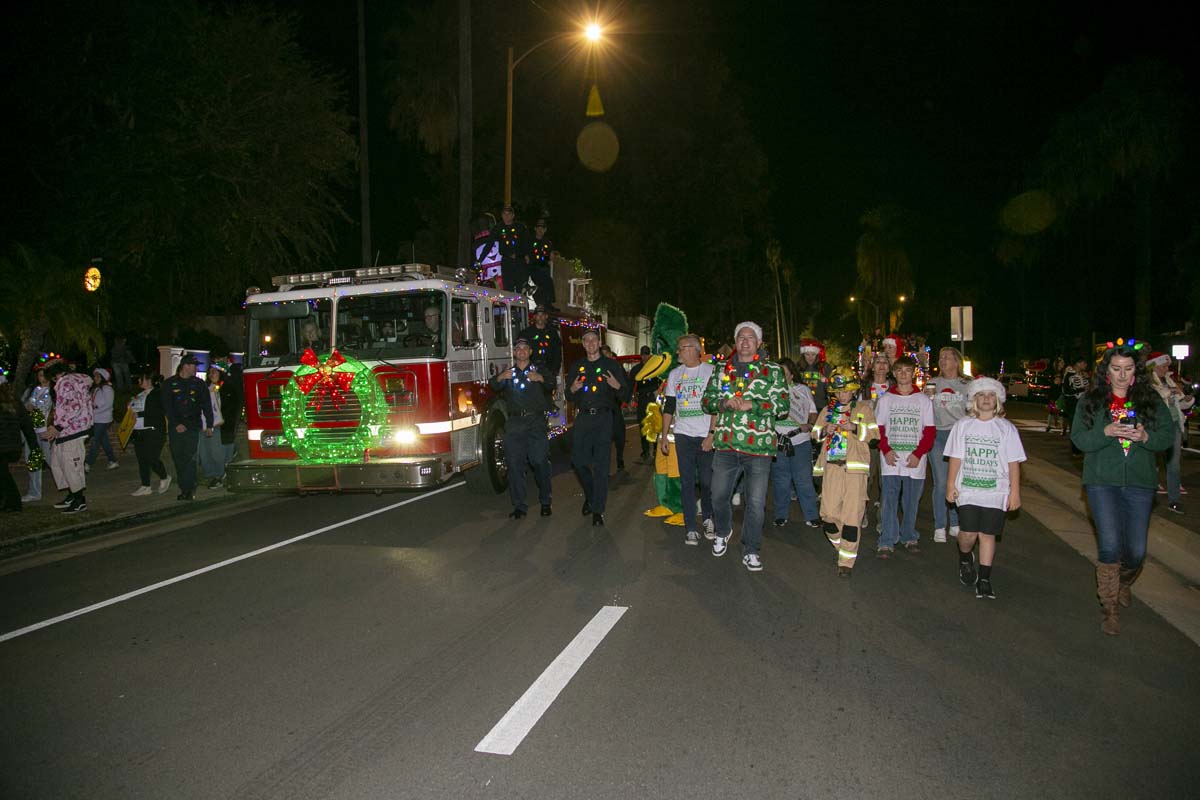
(288, 475)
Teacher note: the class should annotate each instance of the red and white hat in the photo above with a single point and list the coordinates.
(813, 346)
(895, 341)
(1156, 358)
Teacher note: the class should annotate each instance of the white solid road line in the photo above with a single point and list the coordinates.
(514, 726)
(161, 584)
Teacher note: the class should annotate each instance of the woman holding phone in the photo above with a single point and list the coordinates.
(1120, 424)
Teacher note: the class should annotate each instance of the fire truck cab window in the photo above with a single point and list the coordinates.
(500, 324)
(388, 326)
(464, 330)
(280, 332)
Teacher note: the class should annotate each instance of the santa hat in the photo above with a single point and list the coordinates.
(1156, 358)
(754, 326)
(986, 385)
(896, 342)
(103, 373)
(813, 346)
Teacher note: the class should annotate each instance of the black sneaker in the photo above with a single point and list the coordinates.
(1175, 508)
(779, 523)
(516, 514)
(66, 502)
(984, 589)
(587, 508)
(966, 571)
(546, 510)
(812, 523)
(79, 505)
(597, 520)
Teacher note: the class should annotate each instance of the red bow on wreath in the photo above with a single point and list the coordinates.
(327, 382)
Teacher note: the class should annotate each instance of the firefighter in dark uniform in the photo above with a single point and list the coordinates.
(540, 267)
(596, 384)
(544, 341)
(526, 393)
(514, 240)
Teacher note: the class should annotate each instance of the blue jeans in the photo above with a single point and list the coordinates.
(100, 440)
(694, 463)
(940, 469)
(899, 493)
(794, 472)
(728, 465)
(1173, 454)
(1122, 517)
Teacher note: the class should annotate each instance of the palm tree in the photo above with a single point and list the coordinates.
(884, 271)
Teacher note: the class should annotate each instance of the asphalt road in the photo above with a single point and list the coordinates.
(369, 661)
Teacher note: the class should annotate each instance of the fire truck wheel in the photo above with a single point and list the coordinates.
(490, 476)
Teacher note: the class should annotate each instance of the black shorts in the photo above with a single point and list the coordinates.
(978, 519)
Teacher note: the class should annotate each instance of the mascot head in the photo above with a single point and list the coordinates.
(669, 324)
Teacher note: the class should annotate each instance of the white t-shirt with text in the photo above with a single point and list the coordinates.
(687, 384)
(800, 408)
(986, 449)
(904, 419)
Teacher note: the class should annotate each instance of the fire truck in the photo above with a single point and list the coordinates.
(377, 378)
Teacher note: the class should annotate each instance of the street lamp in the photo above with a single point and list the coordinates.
(593, 32)
(854, 299)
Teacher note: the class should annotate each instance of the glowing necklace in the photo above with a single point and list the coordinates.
(734, 382)
(1121, 408)
(583, 374)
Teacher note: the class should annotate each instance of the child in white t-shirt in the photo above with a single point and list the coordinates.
(985, 453)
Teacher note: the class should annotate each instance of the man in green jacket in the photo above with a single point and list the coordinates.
(747, 395)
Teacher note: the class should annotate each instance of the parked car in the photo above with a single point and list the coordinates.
(1015, 386)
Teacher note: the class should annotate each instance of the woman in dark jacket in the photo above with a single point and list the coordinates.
(1120, 425)
(16, 430)
(149, 433)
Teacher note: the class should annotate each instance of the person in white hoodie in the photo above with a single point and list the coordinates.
(102, 419)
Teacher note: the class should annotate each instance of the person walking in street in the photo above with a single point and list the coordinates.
(948, 393)
(596, 384)
(906, 435)
(747, 396)
(120, 358)
(102, 418)
(984, 479)
(526, 394)
(845, 428)
(1120, 425)
(814, 372)
(71, 422)
(16, 434)
(646, 390)
(1159, 365)
(39, 403)
(188, 410)
(683, 413)
(149, 432)
(212, 451)
(792, 470)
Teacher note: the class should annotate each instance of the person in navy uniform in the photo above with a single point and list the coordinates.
(514, 240)
(526, 393)
(596, 385)
(544, 341)
(540, 266)
(186, 401)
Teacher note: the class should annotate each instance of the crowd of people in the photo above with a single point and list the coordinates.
(64, 419)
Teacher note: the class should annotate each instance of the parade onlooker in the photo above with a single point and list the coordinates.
(232, 403)
(527, 397)
(39, 404)
(984, 475)
(683, 413)
(541, 267)
(646, 391)
(16, 434)
(102, 419)
(1075, 386)
(906, 435)
(1054, 412)
(596, 384)
(792, 471)
(188, 409)
(120, 358)
(71, 422)
(1120, 425)
(212, 452)
(747, 396)
(948, 393)
(514, 240)
(845, 428)
(1177, 402)
(149, 433)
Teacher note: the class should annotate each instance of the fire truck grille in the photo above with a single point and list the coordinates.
(349, 411)
(331, 436)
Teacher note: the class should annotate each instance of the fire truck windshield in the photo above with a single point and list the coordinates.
(392, 325)
(279, 332)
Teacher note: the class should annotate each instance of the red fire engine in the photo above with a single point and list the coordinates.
(376, 378)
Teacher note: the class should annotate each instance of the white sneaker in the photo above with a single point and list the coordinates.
(752, 562)
(30, 498)
(737, 498)
(692, 538)
(87, 467)
(720, 545)
(142, 491)
(113, 465)
(710, 530)
(939, 534)
(164, 484)
(954, 531)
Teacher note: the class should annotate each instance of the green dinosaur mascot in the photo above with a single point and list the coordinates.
(669, 324)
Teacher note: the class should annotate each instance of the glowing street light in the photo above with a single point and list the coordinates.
(593, 32)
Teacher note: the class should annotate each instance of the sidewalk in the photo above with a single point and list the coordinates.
(110, 505)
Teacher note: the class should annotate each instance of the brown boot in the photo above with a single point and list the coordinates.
(1108, 578)
(1125, 593)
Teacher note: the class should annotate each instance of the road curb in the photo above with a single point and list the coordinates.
(35, 542)
(1173, 545)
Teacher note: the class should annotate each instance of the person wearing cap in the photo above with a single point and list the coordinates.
(948, 393)
(544, 342)
(71, 422)
(526, 394)
(102, 419)
(541, 268)
(514, 240)
(213, 454)
(747, 395)
(188, 407)
(1159, 366)
(845, 429)
(597, 383)
(906, 435)
(984, 479)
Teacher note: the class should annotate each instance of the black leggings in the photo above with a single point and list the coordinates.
(10, 495)
(147, 445)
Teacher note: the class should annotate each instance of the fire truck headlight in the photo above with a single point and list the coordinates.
(405, 436)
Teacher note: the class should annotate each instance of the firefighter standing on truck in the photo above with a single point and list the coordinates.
(526, 394)
(597, 383)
